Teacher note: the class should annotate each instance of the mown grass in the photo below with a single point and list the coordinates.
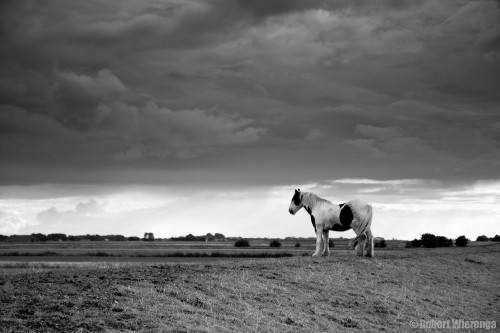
(341, 293)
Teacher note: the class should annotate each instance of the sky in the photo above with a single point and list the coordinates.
(198, 116)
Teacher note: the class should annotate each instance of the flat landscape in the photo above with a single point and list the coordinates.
(340, 293)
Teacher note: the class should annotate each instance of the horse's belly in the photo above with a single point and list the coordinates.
(340, 227)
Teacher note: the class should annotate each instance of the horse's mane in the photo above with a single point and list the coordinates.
(312, 199)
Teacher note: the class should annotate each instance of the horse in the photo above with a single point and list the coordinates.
(325, 216)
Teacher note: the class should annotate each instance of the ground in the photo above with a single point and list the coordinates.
(341, 293)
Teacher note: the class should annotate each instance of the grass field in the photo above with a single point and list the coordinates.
(130, 249)
(341, 293)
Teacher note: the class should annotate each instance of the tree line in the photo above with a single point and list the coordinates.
(60, 237)
(430, 241)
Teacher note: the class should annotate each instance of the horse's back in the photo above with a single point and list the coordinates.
(357, 204)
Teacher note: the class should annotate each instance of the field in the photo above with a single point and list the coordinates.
(341, 293)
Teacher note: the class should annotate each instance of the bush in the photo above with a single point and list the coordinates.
(443, 241)
(429, 240)
(496, 238)
(413, 243)
(242, 243)
(297, 244)
(482, 238)
(275, 243)
(381, 244)
(461, 241)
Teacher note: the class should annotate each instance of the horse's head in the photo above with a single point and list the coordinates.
(296, 202)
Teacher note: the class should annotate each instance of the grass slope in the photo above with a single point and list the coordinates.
(342, 293)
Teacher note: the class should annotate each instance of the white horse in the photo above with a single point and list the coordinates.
(325, 216)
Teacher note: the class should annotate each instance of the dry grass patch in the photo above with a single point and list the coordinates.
(300, 294)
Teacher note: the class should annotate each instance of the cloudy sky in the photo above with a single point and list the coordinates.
(197, 116)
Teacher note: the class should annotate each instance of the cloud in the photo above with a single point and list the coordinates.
(11, 221)
(159, 131)
(364, 83)
(85, 217)
(83, 210)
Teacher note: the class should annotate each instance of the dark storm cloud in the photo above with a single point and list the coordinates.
(244, 89)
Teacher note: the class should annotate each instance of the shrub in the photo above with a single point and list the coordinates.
(482, 238)
(461, 241)
(416, 243)
(496, 238)
(429, 240)
(275, 243)
(297, 244)
(381, 244)
(443, 241)
(242, 243)
(413, 243)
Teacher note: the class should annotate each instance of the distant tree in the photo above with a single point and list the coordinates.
(133, 238)
(149, 236)
(496, 238)
(57, 237)
(218, 236)
(482, 238)
(39, 237)
(461, 241)
(297, 244)
(275, 243)
(443, 241)
(379, 242)
(190, 238)
(414, 243)
(116, 238)
(428, 240)
(330, 243)
(242, 243)
(95, 238)
(3, 238)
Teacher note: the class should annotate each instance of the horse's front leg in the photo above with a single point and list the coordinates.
(326, 247)
(319, 233)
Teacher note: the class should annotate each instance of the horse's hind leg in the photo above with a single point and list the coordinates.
(369, 244)
(360, 246)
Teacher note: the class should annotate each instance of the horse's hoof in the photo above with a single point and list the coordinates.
(316, 255)
(325, 254)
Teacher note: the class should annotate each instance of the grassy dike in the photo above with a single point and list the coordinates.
(342, 293)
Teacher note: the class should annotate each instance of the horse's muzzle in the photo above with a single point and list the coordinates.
(291, 211)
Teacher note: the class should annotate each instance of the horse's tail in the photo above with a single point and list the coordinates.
(367, 222)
